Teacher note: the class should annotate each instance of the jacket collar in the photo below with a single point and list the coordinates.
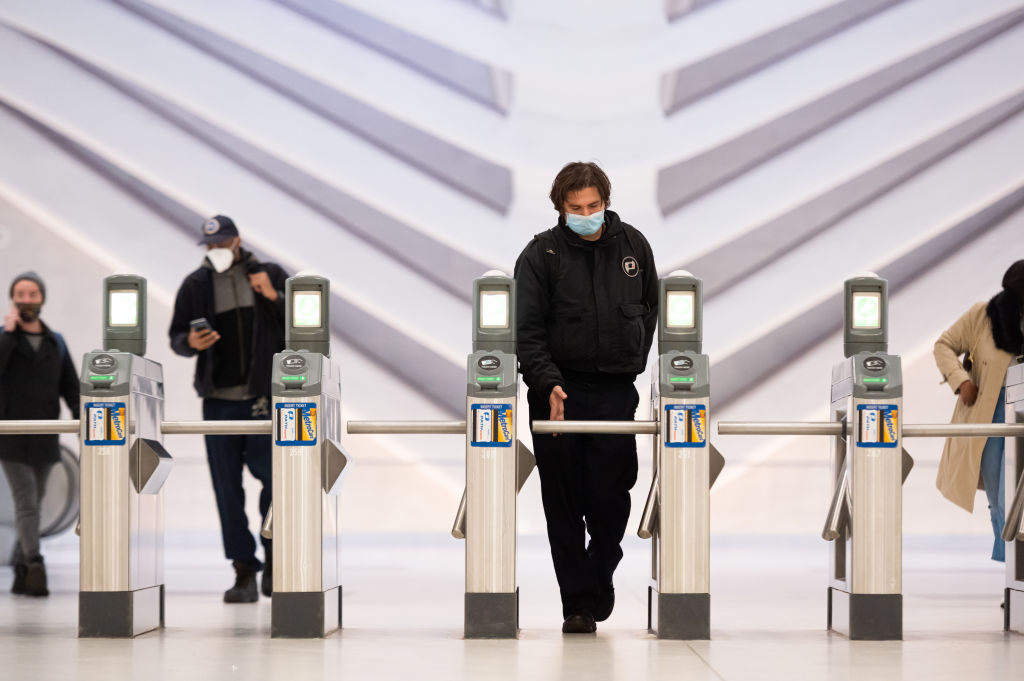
(1004, 310)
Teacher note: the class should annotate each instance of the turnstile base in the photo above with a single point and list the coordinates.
(120, 614)
(866, 617)
(680, 617)
(1013, 615)
(305, 614)
(492, 615)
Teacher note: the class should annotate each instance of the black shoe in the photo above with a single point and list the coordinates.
(579, 624)
(244, 590)
(267, 581)
(605, 603)
(18, 587)
(35, 578)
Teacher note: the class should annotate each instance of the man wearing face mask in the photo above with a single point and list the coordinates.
(35, 372)
(587, 308)
(229, 314)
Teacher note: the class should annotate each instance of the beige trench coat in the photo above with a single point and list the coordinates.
(960, 466)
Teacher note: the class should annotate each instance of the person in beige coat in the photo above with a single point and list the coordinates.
(991, 336)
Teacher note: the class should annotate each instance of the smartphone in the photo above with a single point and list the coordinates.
(200, 324)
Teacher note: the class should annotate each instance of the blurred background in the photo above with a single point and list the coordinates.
(404, 147)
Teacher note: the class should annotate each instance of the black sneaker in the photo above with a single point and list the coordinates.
(244, 590)
(579, 624)
(605, 603)
(35, 578)
(267, 581)
(18, 586)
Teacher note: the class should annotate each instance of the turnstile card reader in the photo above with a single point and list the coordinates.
(677, 515)
(308, 461)
(865, 520)
(1013, 532)
(124, 465)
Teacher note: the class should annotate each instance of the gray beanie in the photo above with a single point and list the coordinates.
(30, 276)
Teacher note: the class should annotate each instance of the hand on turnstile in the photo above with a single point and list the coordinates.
(557, 401)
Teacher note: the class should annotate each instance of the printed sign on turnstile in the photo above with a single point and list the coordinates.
(492, 425)
(105, 423)
(686, 425)
(877, 425)
(296, 424)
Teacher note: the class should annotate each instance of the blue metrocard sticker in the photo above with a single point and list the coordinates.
(492, 425)
(877, 425)
(105, 423)
(686, 425)
(295, 424)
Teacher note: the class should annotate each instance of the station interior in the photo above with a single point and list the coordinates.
(401, 150)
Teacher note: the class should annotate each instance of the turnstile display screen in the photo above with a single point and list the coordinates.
(124, 307)
(680, 309)
(867, 310)
(306, 310)
(494, 309)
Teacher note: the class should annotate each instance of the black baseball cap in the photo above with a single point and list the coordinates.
(217, 229)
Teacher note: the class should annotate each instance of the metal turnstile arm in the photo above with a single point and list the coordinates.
(596, 427)
(1013, 530)
(525, 463)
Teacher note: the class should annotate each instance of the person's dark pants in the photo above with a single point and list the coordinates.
(27, 485)
(227, 456)
(585, 482)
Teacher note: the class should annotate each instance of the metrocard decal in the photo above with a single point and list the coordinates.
(295, 424)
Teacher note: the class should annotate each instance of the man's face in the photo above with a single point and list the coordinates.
(585, 202)
(234, 244)
(26, 291)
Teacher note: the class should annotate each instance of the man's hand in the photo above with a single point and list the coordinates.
(201, 340)
(11, 319)
(260, 283)
(557, 401)
(968, 393)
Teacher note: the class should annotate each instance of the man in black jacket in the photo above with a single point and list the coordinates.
(242, 303)
(35, 372)
(587, 307)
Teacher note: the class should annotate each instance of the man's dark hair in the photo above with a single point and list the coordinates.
(576, 176)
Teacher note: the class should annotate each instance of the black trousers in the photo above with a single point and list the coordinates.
(585, 482)
(228, 456)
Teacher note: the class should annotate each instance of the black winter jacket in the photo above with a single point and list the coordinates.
(195, 299)
(31, 385)
(586, 310)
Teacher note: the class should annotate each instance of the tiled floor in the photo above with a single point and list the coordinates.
(403, 617)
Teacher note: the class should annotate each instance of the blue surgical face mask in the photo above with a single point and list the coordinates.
(585, 225)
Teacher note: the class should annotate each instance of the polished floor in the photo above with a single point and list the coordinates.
(403, 617)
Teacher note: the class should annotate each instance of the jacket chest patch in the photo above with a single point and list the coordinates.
(630, 266)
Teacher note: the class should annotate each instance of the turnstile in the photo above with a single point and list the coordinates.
(677, 515)
(123, 469)
(497, 464)
(124, 466)
(308, 461)
(1013, 531)
(868, 467)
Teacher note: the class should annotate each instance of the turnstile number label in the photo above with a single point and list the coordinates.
(105, 423)
(686, 425)
(296, 424)
(492, 425)
(877, 425)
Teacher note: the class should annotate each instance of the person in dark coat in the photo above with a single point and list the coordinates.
(587, 308)
(241, 302)
(36, 371)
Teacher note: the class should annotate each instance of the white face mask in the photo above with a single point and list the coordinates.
(221, 258)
